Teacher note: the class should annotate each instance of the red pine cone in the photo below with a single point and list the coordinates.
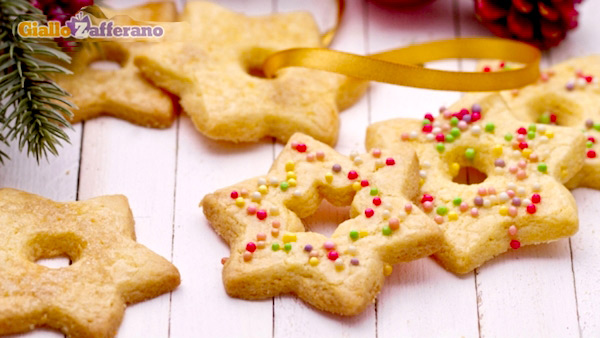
(542, 23)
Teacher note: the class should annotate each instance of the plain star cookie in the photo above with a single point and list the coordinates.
(122, 93)
(521, 201)
(567, 94)
(272, 254)
(109, 269)
(209, 65)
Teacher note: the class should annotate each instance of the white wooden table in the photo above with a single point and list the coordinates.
(549, 290)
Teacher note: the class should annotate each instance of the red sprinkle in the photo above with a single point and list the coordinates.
(427, 128)
(589, 79)
(592, 139)
(553, 118)
(390, 161)
(536, 198)
(487, 69)
(429, 117)
(475, 116)
(364, 183)
(333, 255)
(261, 214)
(376, 200)
(352, 175)
(502, 64)
(251, 246)
(301, 147)
(440, 137)
(522, 131)
(591, 154)
(369, 212)
(515, 244)
(234, 194)
(426, 198)
(523, 145)
(531, 209)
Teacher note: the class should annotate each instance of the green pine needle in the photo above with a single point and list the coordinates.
(32, 106)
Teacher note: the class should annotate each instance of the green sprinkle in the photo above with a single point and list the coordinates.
(589, 144)
(457, 201)
(507, 67)
(542, 167)
(508, 137)
(532, 127)
(470, 153)
(441, 210)
(374, 191)
(455, 132)
(454, 121)
(386, 230)
(287, 247)
(275, 246)
(545, 119)
(426, 122)
(531, 135)
(449, 138)
(597, 126)
(284, 186)
(354, 235)
(490, 127)
(440, 147)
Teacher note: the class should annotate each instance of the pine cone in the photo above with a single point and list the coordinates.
(542, 23)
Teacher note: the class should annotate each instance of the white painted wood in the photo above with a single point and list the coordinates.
(417, 297)
(202, 308)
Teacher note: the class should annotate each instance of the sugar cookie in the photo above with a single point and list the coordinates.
(121, 93)
(272, 254)
(209, 63)
(87, 298)
(520, 202)
(567, 94)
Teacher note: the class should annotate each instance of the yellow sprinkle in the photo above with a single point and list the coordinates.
(454, 169)
(240, 202)
(387, 269)
(329, 177)
(526, 152)
(314, 261)
(289, 166)
(550, 134)
(497, 150)
(292, 182)
(356, 186)
(291, 174)
(263, 189)
(289, 237)
(503, 210)
(453, 216)
(421, 181)
(363, 233)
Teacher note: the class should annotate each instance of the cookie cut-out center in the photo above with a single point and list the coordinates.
(326, 219)
(53, 250)
(55, 262)
(105, 65)
(252, 61)
(469, 175)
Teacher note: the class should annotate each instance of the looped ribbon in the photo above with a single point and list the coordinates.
(403, 66)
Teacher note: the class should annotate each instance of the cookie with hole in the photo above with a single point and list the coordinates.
(214, 64)
(517, 199)
(567, 94)
(121, 91)
(271, 251)
(109, 268)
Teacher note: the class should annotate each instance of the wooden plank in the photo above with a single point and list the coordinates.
(530, 289)
(292, 317)
(417, 296)
(201, 308)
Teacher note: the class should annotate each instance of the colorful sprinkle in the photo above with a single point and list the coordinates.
(301, 147)
(275, 246)
(284, 186)
(329, 245)
(251, 246)
(261, 214)
(336, 168)
(386, 230)
(515, 244)
(470, 153)
(352, 175)
(354, 235)
(333, 255)
(489, 127)
(240, 202)
(287, 247)
(289, 237)
(512, 230)
(354, 261)
(369, 212)
(387, 269)
(531, 209)
(377, 201)
(390, 161)
(441, 210)
(314, 261)
(247, 256)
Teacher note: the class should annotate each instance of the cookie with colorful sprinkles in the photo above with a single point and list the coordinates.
(519, 198)
(568, 94)
(271, 253)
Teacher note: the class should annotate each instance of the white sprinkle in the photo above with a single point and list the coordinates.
(262, 181)
(426, 165)
(379, 163)
(297, 193)
(527, 201)
(401, 215)
(537, 186)
(520, 191)
(385, 214)
(256, 196)
(494, 199)
(274, 211)
(413, 135)
(423, 173)
(498, 170)
(352, 250)
(436, 130)
(541, 128)
(353, 154)
(511, 185)
(358, 160)
(543, 139)
(476, 130)
(486, 203)
(503, 197)
(274, 181)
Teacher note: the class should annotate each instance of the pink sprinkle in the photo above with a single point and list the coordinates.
(276, 224)
(521, 138)
(512, 230)
(482, 191)
(447, 114)
(510, 193)
(294, 144)
(376, 152)
(512, 211)
(428, 206)
(244, 192)
(521, 174)
(522, 164)
(408, 207)
(513, 169)
(404, 137)
(492, 191)
(533, 157)
(251, 210)
(275, 232)
(462, 125)
(474, 212)
(544, 77)
(329, 245)
(464, 206)
(261, 236)
(320, 155)
(310, 157)
(438, 219)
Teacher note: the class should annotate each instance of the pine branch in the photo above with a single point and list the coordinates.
(33, 107)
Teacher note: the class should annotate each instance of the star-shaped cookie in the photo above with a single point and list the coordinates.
(123, 93)
(214, 64)
(109, 269)
(271, 253)
(567, 94)
(521, 200)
